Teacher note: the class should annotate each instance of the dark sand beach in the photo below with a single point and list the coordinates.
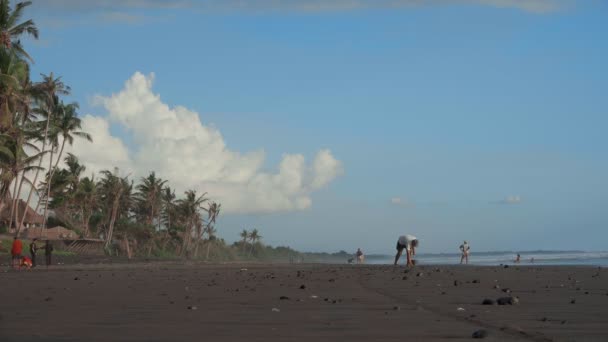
(192, 302)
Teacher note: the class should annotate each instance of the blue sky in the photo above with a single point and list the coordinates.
(454, 109)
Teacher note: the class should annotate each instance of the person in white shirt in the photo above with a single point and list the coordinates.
(464, 248)
(409, 243)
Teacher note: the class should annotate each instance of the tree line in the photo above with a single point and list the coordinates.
(36, 124)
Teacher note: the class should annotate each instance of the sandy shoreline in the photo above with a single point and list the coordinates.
(231, 302)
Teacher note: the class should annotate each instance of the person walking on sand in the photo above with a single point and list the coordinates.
(48, 252)
(360, 256)
(16, 251)
(33, 250)
(465, 248)
(409, 243)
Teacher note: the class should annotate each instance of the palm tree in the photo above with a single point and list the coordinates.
(87, 199)
(149, 197)
(16, 163)
(210, 230)
(11, 29)
(189, 209)
(244, 235)
(112, 189)
(254, 236)
(66, 125)
(14, 73)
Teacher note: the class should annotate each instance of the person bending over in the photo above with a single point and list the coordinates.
(409, 243)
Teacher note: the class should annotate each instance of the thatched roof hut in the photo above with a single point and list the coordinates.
(31, 217)
(55, 233)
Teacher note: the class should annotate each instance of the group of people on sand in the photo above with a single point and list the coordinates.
(19, 261)
(409, 243)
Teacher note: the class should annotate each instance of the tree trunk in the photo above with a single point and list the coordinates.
(48, 192)
(128, 249)
(208, 247)
(46, 134)
(112, 220)
(13, 202)
(17, 204)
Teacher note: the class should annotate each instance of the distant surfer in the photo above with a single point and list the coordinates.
(465, 248)
(409, 243)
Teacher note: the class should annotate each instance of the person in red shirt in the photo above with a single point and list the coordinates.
(16, 251)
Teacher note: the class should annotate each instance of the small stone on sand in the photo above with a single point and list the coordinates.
(480, 334)
(488, 302)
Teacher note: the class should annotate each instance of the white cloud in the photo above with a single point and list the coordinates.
(510, 200)
(174, 143)
(402, 202)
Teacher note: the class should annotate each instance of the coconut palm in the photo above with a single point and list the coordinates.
(210, 231)
(149, 197)
(17, 162)
(245, 236)
(11, 29)
(87, 200)
(254, 237)
(14, 73)
(189, 209)
(111, 189)
(65, 125)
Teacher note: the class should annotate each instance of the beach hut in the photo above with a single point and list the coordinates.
(32, 219)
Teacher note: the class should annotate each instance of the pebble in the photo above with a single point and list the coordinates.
(573, 301)
(404, 278)
(488, 302)
(302, 287)
(507, 301)
(456, 283)
(275, 310)
(480, 334)
(192, 308)
(476, 281)
(396, 308)
(284, 298)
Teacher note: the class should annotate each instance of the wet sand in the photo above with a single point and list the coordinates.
(177, 302)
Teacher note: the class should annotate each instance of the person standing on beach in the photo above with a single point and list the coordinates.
(48, 252)
(518, 258)
(33, 251)
(409, 243)
(464, 248)
(16, 251)
(360, 256)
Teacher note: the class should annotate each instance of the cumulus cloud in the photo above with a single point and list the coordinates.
(510, 200)
(402, 202)
(534, 6)
(173, 142)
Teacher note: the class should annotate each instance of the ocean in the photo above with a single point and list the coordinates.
(498, 258)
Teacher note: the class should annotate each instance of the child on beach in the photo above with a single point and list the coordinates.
(409, 243)
(464, 248)
(26, 262)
